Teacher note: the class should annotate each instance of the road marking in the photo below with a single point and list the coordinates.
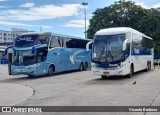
(149, 76)
(146, 78)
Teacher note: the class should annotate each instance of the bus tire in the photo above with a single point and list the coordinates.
(81, 67)
(148, 67)
(103, 76)
(131, 72)
(85, 66)
(51, 70)
(30, 76)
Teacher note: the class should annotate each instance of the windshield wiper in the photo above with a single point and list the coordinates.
(100, 55)
(111, 55)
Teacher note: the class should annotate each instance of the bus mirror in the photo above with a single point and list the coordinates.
(87, 46)
(8, 50)
(33, 50)
(124, 44)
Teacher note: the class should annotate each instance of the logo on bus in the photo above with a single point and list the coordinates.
(73, 56)
(113, 65)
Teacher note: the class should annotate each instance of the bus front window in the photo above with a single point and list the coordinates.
(31, 40)
(26, 40)
(108, 48)
(23, 58)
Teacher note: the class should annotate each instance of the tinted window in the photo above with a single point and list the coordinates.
(43, 39)
(147, 43)
(55, 42)
(26, 40)
(75, 43)
(141, 45)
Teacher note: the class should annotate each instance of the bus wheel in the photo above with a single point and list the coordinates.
(81, 67)
(103, 76)
(30, 76)
(131, 72)
(85, 66)
(50, 70)
(148, 67)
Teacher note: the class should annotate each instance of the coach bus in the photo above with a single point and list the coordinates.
(121, 51)
(3, 57)
(156, 57)
(35, 54)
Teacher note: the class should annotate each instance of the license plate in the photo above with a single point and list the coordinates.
(105, 72)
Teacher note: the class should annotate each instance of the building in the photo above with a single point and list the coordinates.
(9, 36)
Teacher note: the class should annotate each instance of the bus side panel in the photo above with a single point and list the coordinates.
(65, 59)
(56, 57)
(140, 55)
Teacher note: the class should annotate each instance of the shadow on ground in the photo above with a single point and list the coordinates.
(115, 80)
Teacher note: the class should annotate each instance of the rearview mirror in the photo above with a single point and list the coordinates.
(87, 46)
(124, 44)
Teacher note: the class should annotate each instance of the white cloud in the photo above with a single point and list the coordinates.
(27, 5)
(76, 23)
(143, 5)
(157, 5)
(42, 12)
(21, 24)
(146, 6)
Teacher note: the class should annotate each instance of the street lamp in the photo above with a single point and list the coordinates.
(84, 4)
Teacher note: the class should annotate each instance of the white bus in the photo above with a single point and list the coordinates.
(121, 51)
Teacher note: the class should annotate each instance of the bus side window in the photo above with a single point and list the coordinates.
(54, 42)
(44, 39)
(61, 41)
(65, 41)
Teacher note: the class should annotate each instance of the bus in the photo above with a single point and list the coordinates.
(156, 57)
(38, 53)
(121, 51)
(3, 57)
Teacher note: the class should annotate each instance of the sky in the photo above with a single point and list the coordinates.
(57, 16)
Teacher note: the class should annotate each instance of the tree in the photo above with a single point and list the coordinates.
(126, 14)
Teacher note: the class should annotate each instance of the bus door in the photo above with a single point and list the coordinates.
(41, 60)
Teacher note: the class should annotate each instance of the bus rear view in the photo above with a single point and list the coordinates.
(121, 51)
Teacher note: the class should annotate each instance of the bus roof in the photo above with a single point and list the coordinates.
(49, 33)
(36, 33)
(118, 30)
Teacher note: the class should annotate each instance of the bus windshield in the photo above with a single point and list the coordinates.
(108, 48)
(24, 57)
(30, 40)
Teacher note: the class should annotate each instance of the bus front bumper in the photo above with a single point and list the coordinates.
(25, 70)
(110, 72)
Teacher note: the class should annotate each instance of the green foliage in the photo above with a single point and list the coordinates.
(127, 14)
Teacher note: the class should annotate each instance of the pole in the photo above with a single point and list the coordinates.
(40, 28)
(84, 4)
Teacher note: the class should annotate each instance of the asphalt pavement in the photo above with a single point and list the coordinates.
(77, 88)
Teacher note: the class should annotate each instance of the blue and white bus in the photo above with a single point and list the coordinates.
(121, 51)
(35, 54)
